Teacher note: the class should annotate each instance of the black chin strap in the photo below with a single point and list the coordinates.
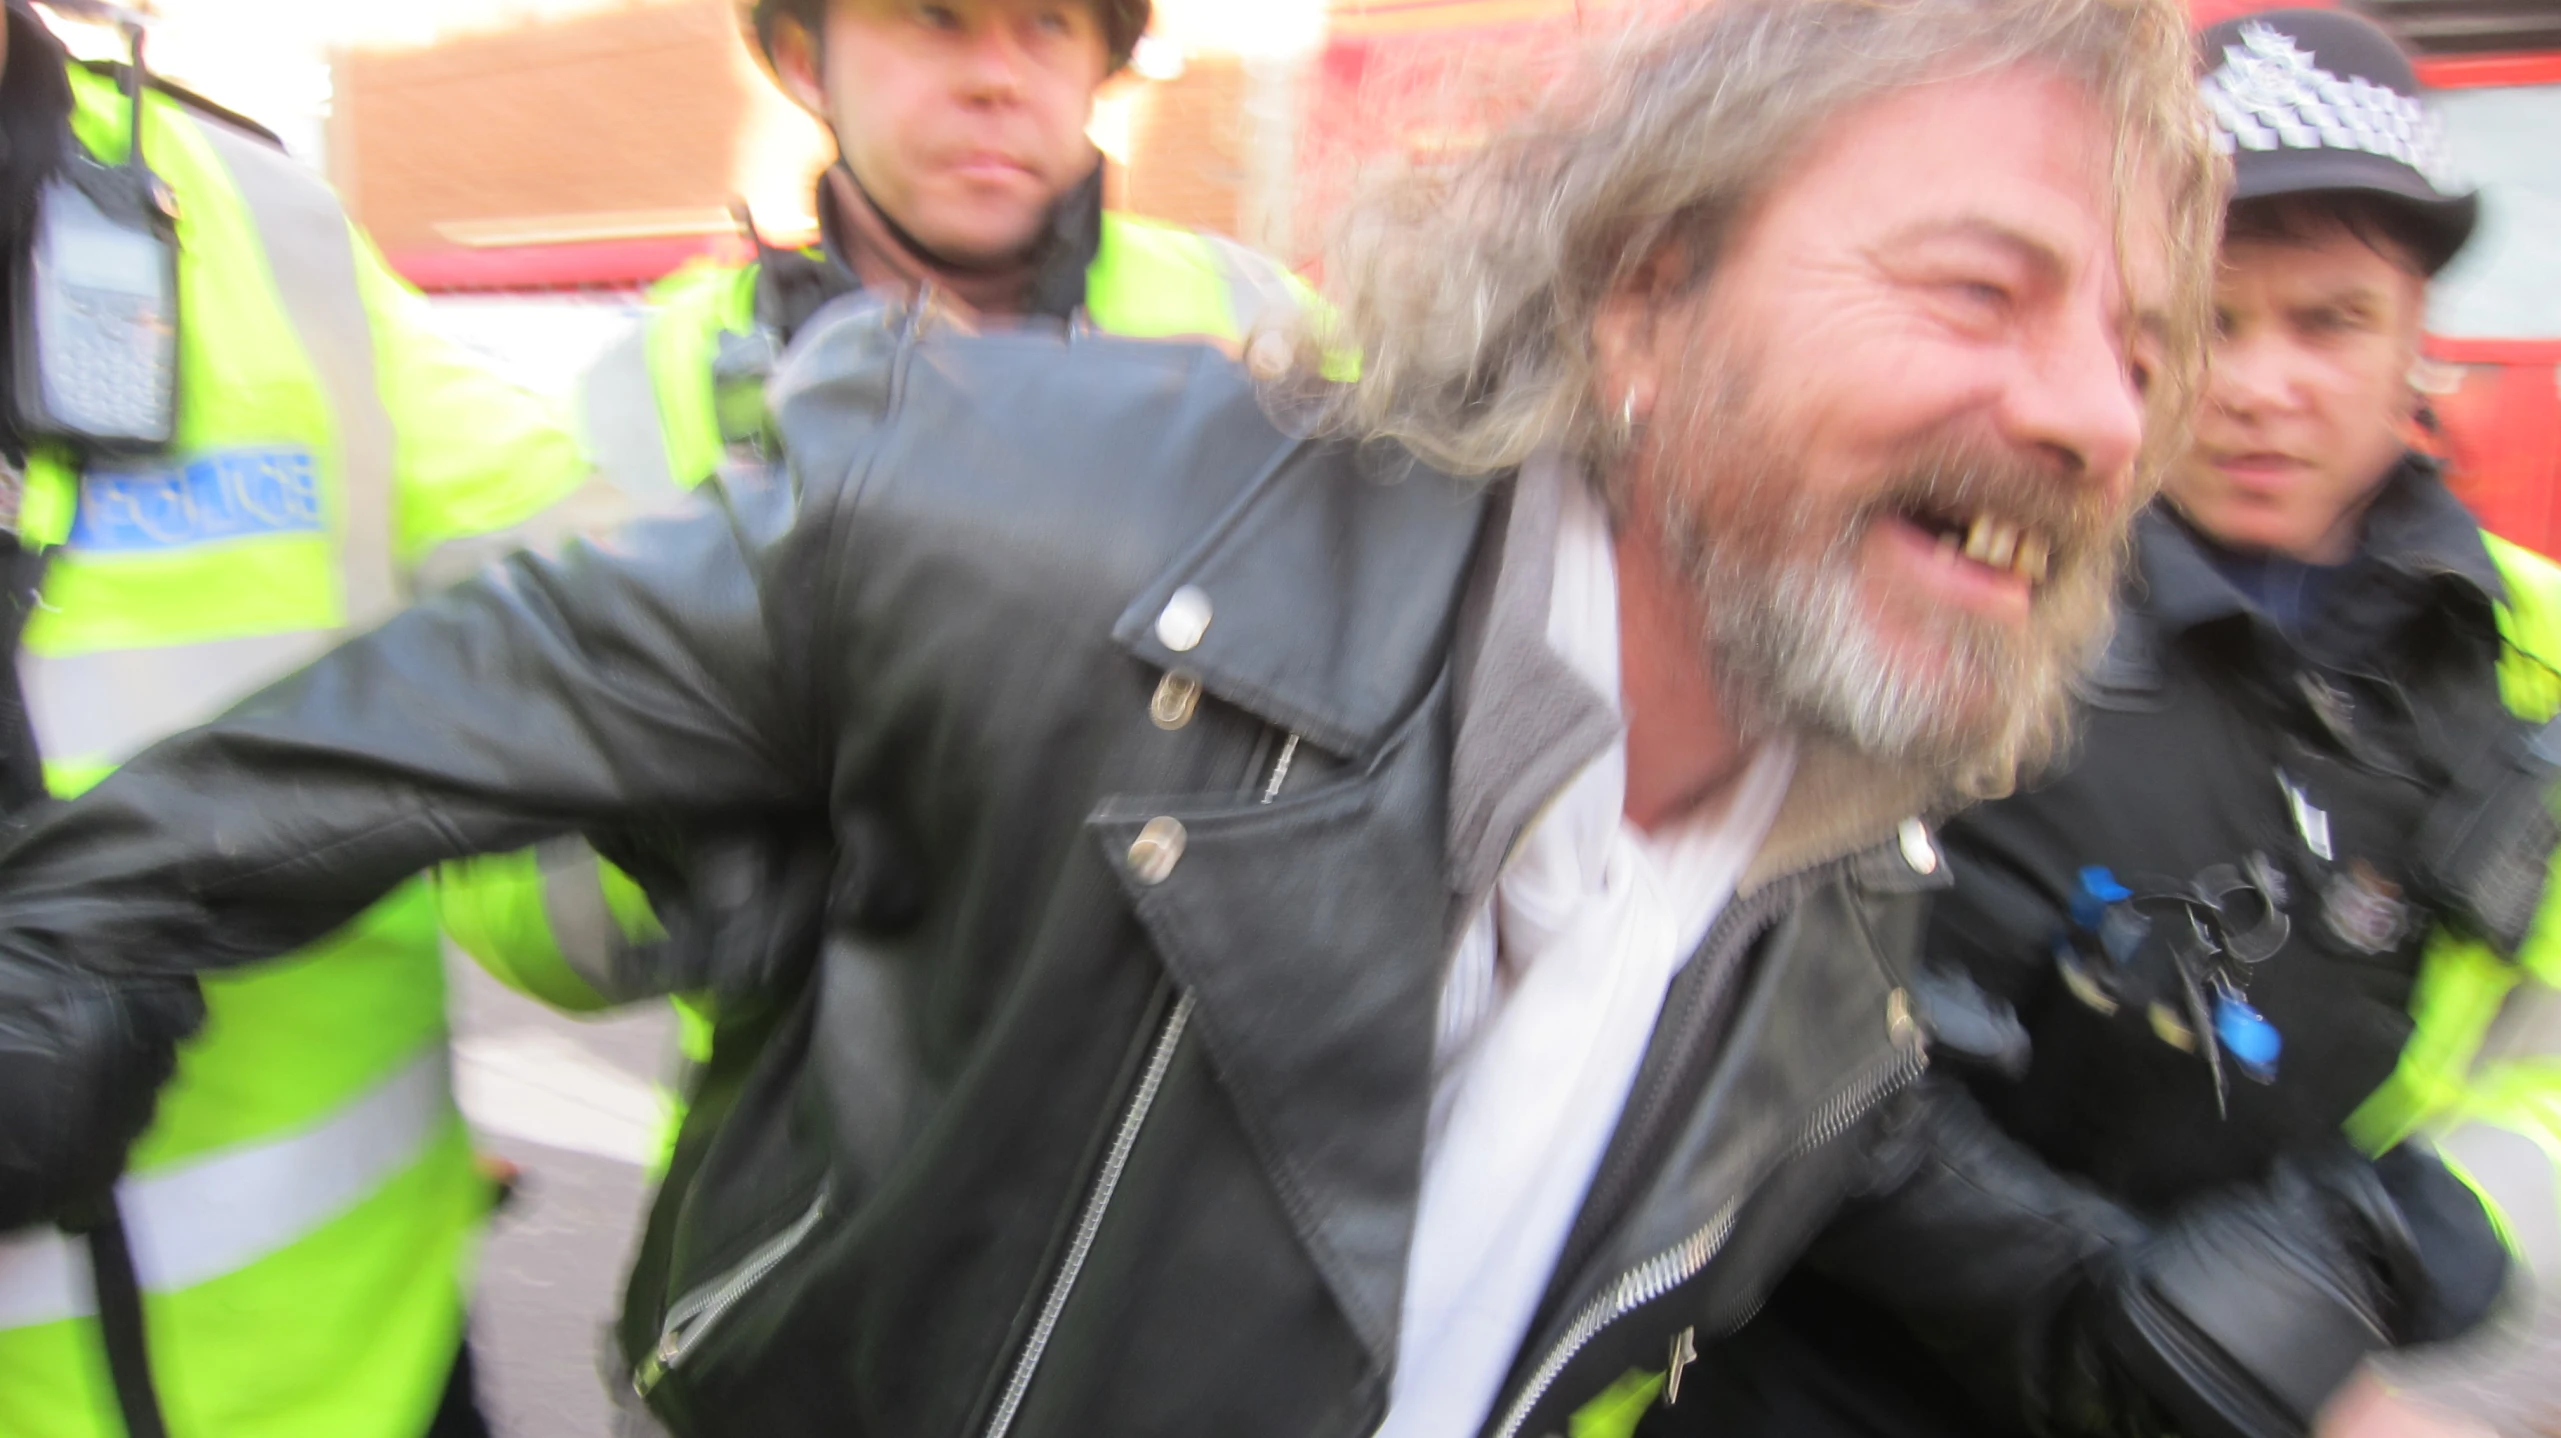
(899, 232)
(1066, 245)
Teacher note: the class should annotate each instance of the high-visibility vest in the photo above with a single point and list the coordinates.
(2481, 1075)
(662, 410)
(662, 407)
(302, 1208)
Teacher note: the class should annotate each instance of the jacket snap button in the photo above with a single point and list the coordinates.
(1185, 620)
(1177, 698)
(1918, 851)
(1158, 849)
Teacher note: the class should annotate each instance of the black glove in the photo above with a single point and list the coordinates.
(2464, 1260)
(2244, 1315)
(81, 1064)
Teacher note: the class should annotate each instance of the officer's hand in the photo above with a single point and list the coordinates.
(2462, 1262)
(2245, 1314)
(81, 1064)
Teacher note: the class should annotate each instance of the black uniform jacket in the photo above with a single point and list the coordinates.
(1097, 1107)
(2216, 739)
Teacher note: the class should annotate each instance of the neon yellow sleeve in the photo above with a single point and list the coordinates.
(475, 453)
(492, 909)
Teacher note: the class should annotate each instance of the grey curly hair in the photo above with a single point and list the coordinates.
(1469, 293)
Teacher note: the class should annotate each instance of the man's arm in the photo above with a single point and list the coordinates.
(623, 684)
(621, 687)
(618, 685)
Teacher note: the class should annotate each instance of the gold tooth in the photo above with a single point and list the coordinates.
(1978, 539)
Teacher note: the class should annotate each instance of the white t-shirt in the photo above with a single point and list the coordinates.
(1551, 999)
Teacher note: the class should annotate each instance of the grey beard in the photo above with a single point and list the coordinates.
(1797, 652)
(1791, 648)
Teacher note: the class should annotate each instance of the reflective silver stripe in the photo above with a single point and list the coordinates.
(1259, 296)
(221, 1213)
(618, 419)
(2517, 1174)
(114, 703)
(313, 257)
(583, 926)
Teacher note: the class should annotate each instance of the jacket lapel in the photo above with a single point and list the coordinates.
(1323, 600)
(1310, 930)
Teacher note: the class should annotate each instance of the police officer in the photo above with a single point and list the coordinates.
(963, 167)
(963, 170)
(2285, 908)
(232, 439)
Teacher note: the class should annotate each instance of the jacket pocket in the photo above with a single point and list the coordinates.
(697, 1312)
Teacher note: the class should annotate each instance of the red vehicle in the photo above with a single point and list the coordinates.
(2496, 319)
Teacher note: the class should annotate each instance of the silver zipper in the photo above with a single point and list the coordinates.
(1089, 1222)
(694, 1315)
(1677, 1265)
(1280, 770)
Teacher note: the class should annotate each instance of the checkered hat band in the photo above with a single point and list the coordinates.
(2268, 94)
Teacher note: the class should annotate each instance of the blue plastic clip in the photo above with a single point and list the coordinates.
(2099, 889)
(2247, 1036)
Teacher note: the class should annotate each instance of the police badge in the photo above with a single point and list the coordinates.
(2365, 909)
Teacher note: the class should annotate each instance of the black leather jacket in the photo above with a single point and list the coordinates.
(1099, 1109)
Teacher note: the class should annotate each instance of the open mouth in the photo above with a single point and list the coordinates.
(2001, 545)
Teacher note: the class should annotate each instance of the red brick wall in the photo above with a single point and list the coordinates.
(657, 107)
(630, 110)
(1186, 146)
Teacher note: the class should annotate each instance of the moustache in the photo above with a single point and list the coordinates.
(1951, 487)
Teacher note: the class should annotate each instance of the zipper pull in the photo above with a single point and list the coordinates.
(1280, 770)
(1684, 1353)
(653, 1369)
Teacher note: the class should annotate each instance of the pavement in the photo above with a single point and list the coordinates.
(574, 1103)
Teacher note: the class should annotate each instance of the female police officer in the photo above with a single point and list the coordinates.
(2283, 908)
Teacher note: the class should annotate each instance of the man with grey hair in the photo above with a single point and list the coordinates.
(1400, 925)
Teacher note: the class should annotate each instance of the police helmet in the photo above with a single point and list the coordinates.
(1123, 22)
